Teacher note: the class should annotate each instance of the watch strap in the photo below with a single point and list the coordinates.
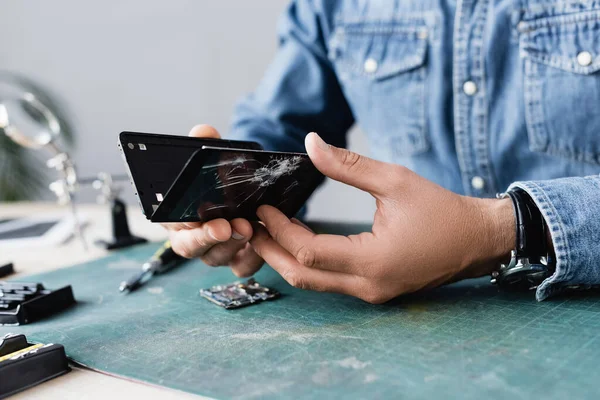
(531, 228)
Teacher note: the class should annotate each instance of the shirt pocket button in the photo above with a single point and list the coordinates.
(585, 58)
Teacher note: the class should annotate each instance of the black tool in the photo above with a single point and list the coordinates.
(122, 236)
(22, 303)
(162, 261)
(23, 364)
(6, 270)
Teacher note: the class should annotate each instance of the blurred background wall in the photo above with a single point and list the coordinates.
(151, 66)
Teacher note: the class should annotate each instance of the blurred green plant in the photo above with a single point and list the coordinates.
(23, 172)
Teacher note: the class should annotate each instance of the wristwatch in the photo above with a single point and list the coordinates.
(530, 261)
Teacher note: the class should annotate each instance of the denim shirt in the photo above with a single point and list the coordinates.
(475, 95)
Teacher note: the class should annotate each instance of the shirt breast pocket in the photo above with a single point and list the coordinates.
(381, 67)
(562, 84)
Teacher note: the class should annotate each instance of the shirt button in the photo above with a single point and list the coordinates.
(584, 58)
(477, 182)
(470, 88)
(370, 65)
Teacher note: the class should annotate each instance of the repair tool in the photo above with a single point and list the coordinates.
(22, 303)
(6, 270)
(109, 194)
(239, 294)
(23, 364)
(162, 261)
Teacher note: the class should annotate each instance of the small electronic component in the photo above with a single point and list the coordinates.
(239, 294)
(21, 303)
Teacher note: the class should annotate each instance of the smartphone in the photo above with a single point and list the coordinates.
(155, 160)
(233, 183)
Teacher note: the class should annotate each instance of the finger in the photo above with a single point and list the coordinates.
(298, 275)
(302, 224)
(222, 253)
(351, 168)
(328, 252)
(190, 243)
(246, 262)
(176, 226)
(205, 131)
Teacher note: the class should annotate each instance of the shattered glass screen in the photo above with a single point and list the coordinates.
(224, 183)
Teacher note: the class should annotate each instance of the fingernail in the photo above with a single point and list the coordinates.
(237, 236)
(319, 142)
(211, 234)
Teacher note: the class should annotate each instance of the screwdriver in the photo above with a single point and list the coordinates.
(162, 261)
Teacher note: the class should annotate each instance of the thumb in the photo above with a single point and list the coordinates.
(348, 167)
(204, 131)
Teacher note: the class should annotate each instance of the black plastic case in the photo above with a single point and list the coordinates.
(28, 365)
(37, 302)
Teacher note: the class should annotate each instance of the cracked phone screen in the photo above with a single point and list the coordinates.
(232, 183)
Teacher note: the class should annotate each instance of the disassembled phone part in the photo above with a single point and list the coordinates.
(239, 294)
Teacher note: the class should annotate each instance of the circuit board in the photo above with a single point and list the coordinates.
(239, 294)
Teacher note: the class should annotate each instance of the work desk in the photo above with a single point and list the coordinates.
(467, 340)
(82, 383)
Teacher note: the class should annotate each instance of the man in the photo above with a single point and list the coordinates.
(475, 97)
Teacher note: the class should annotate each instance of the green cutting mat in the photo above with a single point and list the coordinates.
(462, 341)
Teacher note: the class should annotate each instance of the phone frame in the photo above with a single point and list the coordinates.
(146, 188)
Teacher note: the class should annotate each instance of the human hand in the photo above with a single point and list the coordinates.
(218, 242)
(423, 235)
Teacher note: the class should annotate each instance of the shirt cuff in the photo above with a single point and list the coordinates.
(571, 208)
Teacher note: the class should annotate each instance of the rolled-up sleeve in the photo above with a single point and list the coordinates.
(571, 208)
(300, 92)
